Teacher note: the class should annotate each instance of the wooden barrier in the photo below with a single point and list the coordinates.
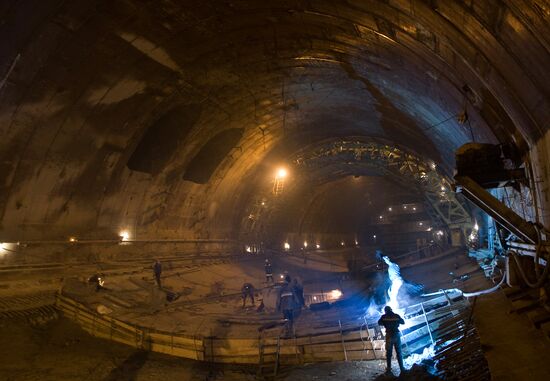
(329, 346)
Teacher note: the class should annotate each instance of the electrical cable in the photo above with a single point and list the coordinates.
(487, 291)
(471, 294)
(541, 278)
(540, 281)
(439, 123)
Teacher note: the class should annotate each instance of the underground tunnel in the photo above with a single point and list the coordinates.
(235, 190)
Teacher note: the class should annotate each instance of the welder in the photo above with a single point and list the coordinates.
(391, 321)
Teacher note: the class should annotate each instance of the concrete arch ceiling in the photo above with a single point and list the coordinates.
(338, 185)
(82, 82)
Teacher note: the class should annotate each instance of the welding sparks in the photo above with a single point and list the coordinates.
(396, 283)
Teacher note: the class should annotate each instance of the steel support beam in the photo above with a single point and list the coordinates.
(496, 209)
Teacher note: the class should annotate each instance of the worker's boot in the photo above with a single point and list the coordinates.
(388, 366)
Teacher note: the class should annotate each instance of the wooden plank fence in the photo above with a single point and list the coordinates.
(329, 346)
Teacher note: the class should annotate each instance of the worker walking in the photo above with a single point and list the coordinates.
(286, 302)
(247, 292)
(268, 271)
(391, 321)
(157, 269)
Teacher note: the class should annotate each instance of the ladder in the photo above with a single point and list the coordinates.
(267, 369)
(278, 187)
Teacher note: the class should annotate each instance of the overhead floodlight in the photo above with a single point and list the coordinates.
(286, 245)
(318, 246)
(282, 173)
(389, 209)
(305, 244)
(336, 294)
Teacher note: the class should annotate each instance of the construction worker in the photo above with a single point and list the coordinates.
(286, 302)
(391, 322)
(157, 269)
(97, 281)
(299, 292)
(268, 271)
(247, 291)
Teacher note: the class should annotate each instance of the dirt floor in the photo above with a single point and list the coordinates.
(514, 348)
(209, 298)
(60, 350)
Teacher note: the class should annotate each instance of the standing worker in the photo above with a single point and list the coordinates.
(157, 269)
(286, 303)
(298, 292)
(247, 291)
(391, 321)
(268, 271)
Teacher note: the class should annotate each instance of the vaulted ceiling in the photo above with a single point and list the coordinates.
(165, 117)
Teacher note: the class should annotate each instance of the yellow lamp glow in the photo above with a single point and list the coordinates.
(281, 173)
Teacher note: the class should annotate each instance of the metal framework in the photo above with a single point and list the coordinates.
(403, 166)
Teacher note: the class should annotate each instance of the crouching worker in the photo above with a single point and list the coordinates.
(391, 321)
(247, 292)
(97, 281)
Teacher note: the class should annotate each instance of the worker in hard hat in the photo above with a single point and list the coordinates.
(391, 321)
(268, 271)
(286, 303)
(247, 291)
(98, 281)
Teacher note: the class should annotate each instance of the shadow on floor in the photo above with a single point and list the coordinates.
(417, 372)
(128, 370)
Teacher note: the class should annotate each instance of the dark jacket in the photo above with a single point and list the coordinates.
(391, 322)
(248, 289)
(157, 268)
(287, 298)
(268, 269)
(299, 292)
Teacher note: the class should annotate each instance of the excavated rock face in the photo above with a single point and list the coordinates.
(165, 118)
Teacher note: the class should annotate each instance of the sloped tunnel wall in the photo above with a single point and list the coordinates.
(84, 83)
